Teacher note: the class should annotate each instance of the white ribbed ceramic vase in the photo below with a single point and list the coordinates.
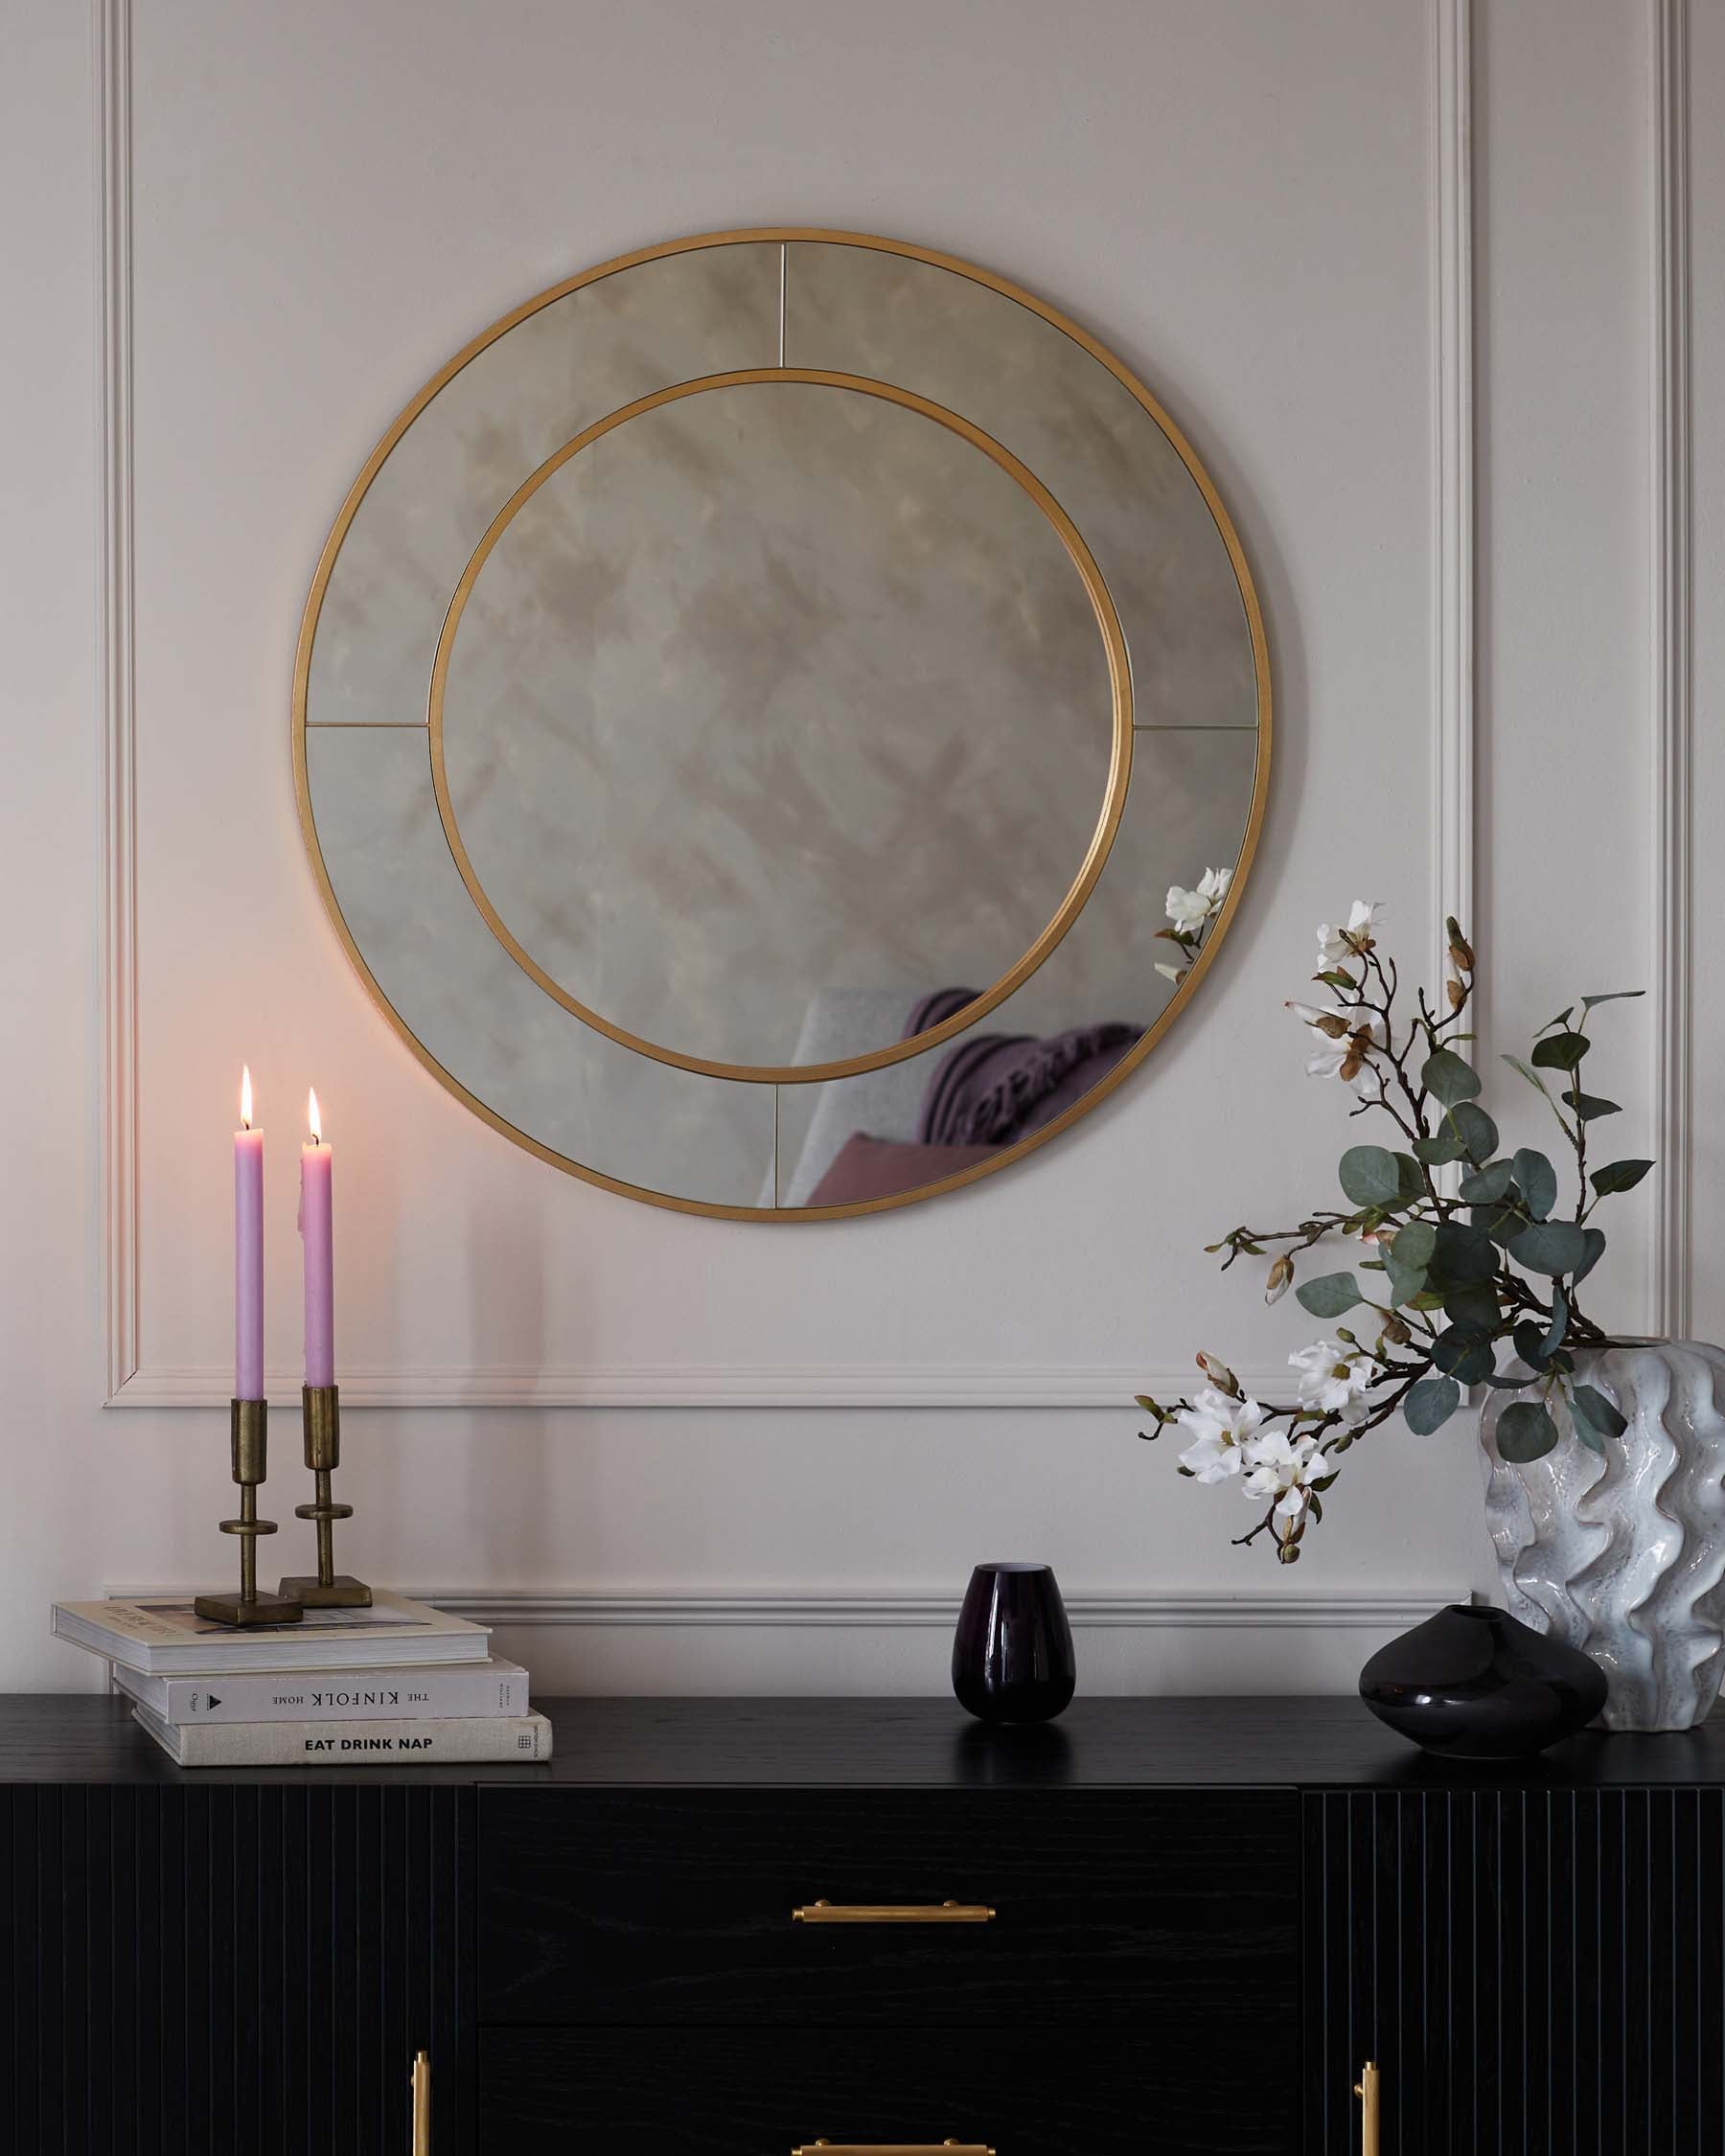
(1624, 1556)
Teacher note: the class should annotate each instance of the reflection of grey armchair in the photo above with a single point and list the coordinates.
(846, 1022)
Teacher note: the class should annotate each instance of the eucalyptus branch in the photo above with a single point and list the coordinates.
(1249, 1242)
(1466, 1273)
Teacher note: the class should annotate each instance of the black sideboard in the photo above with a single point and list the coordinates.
(1178, 1926)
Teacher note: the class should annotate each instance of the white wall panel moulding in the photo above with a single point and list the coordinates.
(1360, 1609)
(130, 1381)
(1671, 560)
(776, 1385)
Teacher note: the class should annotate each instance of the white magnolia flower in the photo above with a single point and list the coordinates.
(1337, 945)
(1219, 1428)
(1332, 1050)
(1332, 1375)
(1175, 973)
(1189, 910)
(1285, 1468)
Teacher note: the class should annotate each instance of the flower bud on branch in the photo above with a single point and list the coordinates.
(1219, 1374)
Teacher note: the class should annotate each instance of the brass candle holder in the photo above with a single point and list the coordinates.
(249, 1424)
(327, 1589)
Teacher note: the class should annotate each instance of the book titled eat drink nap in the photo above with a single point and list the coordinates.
(523, 1737)
(171, 1640)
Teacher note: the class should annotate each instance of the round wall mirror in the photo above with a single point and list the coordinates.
(751, 708)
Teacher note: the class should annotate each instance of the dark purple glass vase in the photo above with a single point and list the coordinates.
(1012, 1653)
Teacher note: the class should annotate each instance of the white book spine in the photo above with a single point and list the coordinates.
(525, 1738)
(363, 1695)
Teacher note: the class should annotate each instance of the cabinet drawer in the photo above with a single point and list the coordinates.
(676, 1906)
(752, 2092)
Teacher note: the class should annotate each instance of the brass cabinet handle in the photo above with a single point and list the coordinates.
(893, 2148)
(422, 2103)
(893, 1912)
(1366, 2088)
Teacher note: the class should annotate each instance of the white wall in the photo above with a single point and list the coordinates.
(753, 1457)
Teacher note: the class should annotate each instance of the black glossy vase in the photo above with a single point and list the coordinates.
(1012, 1653)
(1474, 1682)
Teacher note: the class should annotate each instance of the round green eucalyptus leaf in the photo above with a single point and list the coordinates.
(1405, 1281)
(1486, 1184)
(1551, 1247)
(1560, 1052)
(1536, 1179)
(1429, 1404)
(1447, 1078)
(1591, 1408)
(1414, 1243)
(1503, 1221)
(1477, 1133)
(1463, 1355)
(1329, 1295)
(1413, 1180)
(1524, 1431)
(1369, 1175)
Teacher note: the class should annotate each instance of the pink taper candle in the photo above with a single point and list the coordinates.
(316, 1228)
(248, 1250)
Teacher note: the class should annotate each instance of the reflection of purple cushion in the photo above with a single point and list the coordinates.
(871, 1167)
(995, 1088)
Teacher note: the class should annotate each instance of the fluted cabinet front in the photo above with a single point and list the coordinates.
(1531, 1971)
(233, 1970)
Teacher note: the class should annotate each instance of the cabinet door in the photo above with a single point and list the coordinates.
(222, 1969)
(1532, 1970)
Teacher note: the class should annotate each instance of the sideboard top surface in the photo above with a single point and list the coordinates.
(1330, 1742)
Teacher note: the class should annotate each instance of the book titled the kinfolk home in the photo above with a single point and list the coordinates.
(375, 1695)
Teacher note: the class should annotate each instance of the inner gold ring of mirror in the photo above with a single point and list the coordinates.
(1108, 821)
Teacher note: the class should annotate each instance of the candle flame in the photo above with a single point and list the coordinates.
(313, 1117)
(245, 1099)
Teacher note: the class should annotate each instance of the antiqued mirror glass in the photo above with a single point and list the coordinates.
(750, 713)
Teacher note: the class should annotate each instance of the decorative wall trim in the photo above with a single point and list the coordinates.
(1452, 473)
(730, 1385)
(117, 959)
(1672, 686)
(129, 1385)
(1361, 1609)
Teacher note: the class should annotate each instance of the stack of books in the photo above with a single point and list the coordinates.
(398, 1682)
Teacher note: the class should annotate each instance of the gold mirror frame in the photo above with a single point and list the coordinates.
(1120, 759)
